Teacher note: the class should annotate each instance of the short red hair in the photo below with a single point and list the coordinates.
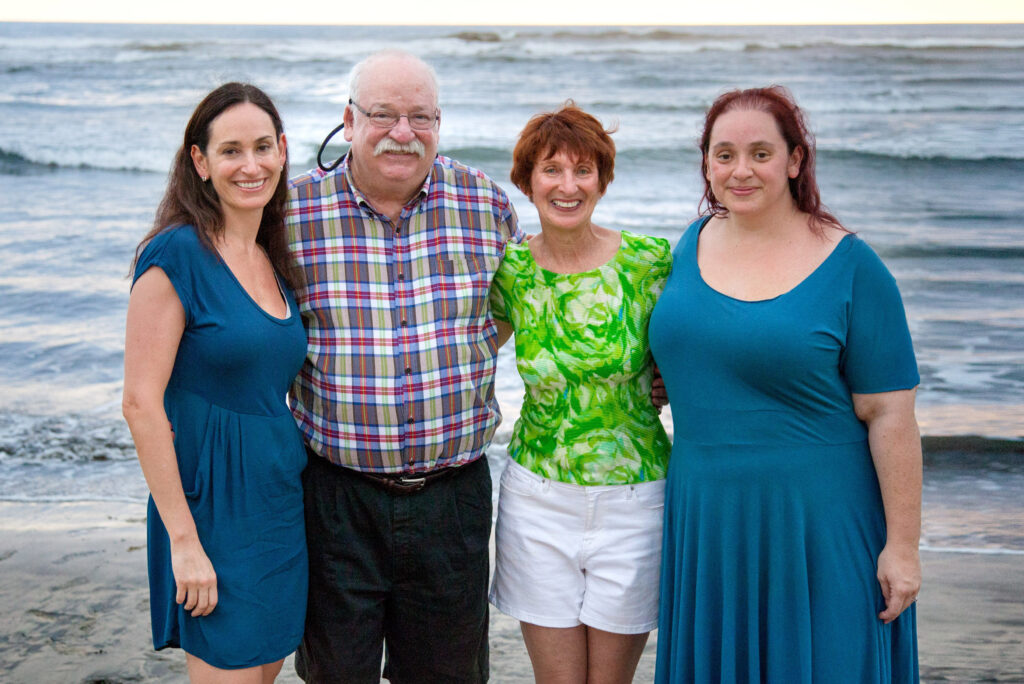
(570, 130)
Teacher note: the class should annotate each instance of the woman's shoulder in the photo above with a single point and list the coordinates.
(174, 240)
(692, 232)
(517, 254)
(654, 252)
(514, 264)
(643, 241)
(517, 247)
(176, 249)
(658, 247)
(697, 224)
(857, 254)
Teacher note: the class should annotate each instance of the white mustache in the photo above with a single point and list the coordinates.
(390, 145)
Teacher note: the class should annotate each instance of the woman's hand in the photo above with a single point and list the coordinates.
(899, 574)
(896, 451)
(194, 577)
(156, 321)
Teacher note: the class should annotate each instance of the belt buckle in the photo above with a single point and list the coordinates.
(411, 484)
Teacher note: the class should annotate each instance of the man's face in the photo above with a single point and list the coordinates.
(399, 157)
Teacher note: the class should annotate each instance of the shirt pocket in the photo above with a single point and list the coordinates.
(461, 284)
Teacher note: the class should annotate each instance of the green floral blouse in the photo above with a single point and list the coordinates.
(581, 349)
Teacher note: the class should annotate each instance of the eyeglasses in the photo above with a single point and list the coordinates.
(385, 118)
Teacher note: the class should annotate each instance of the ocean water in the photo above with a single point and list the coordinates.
(921, 151)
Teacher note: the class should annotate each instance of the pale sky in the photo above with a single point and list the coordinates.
(518, 12)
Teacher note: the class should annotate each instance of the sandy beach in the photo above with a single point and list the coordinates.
(74, 607)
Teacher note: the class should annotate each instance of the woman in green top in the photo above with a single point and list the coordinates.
(579, 516)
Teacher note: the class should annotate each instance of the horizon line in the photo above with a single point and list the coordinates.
(951, 22)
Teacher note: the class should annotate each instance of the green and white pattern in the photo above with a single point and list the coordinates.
(581, 349)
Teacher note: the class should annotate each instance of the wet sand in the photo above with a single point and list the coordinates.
(74, 607)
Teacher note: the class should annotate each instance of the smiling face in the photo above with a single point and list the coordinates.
(392, 163)
(243, 158)
(748, 163)
(565, 191)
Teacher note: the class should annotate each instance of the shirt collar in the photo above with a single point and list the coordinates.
(345, 170)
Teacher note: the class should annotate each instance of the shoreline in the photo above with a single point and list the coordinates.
(74, 606)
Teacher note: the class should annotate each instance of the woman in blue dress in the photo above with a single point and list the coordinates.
(794, 489)
(213, 343)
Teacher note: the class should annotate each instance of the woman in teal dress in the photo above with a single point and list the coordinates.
(214, 340)
(794, 492)
(578, 535)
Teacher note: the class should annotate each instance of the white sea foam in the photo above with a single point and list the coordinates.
(985, 551)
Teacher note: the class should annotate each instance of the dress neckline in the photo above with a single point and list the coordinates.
(277, 279)
(817, 269)
(615, 256)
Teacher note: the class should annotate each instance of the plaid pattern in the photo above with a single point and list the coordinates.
(399, 372)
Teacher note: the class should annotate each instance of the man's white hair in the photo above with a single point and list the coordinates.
(355, 76)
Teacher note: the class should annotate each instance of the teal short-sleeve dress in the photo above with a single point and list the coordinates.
(240, 457)
(773, 514)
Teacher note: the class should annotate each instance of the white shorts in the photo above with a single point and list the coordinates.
(568, 554)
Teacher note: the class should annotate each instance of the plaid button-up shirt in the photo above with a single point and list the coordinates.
(399, 372)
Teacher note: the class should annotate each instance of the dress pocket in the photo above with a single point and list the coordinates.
(193, 467)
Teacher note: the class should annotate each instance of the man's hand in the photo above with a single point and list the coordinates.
(659, 397)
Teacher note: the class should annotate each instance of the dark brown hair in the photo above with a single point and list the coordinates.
(189, 200)
(776, 101)
(570, 130)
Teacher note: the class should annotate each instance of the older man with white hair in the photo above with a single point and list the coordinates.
(398, 246)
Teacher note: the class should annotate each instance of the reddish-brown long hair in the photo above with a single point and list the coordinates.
(190, 201)
(779, 103)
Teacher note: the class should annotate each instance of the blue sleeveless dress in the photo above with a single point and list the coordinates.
(240, 457)
(773, 514)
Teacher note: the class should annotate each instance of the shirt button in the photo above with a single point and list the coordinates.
(401, 276)
(408, 371)
(411, 421)
(405, 322)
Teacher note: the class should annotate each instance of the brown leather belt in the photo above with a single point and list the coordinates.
(403, 485)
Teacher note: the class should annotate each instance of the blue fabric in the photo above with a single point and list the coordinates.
(773, 514)
(241, 459)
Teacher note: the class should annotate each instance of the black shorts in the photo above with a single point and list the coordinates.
(405, 571)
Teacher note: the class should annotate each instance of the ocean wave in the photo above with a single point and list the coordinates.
(744, 41)
(67, 438)
(91, 497)
(479, 155)
(1010, 163)
(981, 550)
(487, 156)
(627, 107)
(84, 438)
(617, 34)
(172, 46)
(478, 36)
(952, 450)
(925, 46)
(16, 164)
(973, 80)
(934, 251)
